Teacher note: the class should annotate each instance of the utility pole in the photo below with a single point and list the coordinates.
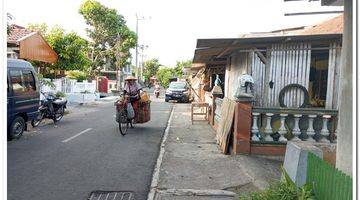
(142, 47)
(137, 73)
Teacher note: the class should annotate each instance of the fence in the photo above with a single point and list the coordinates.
(66, 85)
(329, 183)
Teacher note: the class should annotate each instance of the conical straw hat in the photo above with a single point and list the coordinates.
(130, 78)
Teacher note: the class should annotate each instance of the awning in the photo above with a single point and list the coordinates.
(215, 51)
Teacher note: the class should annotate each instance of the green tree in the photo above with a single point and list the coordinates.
(164, 75)
(112, 39)
(180, 65)
(151, 67)
(42, 28)
(72, 50)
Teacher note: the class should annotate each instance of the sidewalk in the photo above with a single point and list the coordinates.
(194, 168)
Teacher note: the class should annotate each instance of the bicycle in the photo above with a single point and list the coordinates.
(122, 116)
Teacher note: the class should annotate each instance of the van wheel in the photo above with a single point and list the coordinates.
(17, 128)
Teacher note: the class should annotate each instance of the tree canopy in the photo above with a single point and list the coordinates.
(180, 65)
(111, 38)
(151, 67)
(71, 48)
(164, 75)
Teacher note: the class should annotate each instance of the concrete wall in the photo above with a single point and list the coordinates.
(344, 149)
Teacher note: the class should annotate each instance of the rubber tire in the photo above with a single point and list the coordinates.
(12, 135)
(166, 100)
(290, 86)
(33, 122)
(62, 115)
(123, 132)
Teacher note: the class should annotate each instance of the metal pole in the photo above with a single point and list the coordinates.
(136, 48)
(314, 13)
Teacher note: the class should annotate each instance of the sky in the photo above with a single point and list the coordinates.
(170, 28)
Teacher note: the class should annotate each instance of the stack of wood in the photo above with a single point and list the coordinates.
(224, 128)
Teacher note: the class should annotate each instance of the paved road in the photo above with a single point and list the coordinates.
(50, 163)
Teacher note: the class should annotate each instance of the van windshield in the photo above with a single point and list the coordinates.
(177, 85)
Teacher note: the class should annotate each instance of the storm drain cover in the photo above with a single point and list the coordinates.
(112, 195)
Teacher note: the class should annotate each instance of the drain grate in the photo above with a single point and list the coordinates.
(112, 195)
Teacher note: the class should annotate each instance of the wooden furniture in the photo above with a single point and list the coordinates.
(200, 105)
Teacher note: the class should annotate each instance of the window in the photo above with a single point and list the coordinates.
(29, 81)
(22, 81)
(16, 81)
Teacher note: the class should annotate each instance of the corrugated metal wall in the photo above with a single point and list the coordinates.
(290, 63)
(258, 74)
(333, 76)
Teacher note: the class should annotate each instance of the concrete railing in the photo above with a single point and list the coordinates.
(283, 124)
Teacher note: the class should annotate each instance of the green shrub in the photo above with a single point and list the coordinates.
(44, 82)
(78, 75)
(85, 92)
(60, 94)
(285, 189)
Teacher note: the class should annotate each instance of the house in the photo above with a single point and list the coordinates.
(29, 45)
(306, 56)
(111, 78)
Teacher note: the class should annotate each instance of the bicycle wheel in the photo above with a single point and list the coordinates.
(123, 123)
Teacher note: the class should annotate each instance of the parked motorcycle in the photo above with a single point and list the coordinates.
(51, 107)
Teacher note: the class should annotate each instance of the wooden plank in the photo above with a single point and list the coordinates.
(276, 75)
(262, 78)
(261, 55)
(337, 74)
(267, 78)
(297, 73)
(308, 65)
(294, 77)
(330, 77)
(226, 121)
(290, 65)
(273, 73)
(301, 74)
(281, 65)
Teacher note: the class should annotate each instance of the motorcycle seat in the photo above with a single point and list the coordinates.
(60, 101)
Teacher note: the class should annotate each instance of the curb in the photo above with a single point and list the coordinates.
(156, 173)
(193, 192)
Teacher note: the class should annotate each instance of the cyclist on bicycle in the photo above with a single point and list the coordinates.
(132, 89)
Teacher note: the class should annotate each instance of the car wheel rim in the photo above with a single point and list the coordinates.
(18, 128)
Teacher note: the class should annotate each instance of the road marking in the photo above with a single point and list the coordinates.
(70, 138)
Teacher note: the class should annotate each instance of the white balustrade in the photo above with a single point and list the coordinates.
(296, 130)
(324, 131)
(299, 118)
(282, 130)
(268, 129)
(310, 131)
(254, 128)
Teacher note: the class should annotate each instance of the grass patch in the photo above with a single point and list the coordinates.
(285, 189)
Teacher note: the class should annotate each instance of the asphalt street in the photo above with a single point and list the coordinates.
(85, 152)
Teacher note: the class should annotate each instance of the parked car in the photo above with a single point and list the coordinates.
(179, 91)
(23, 97)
